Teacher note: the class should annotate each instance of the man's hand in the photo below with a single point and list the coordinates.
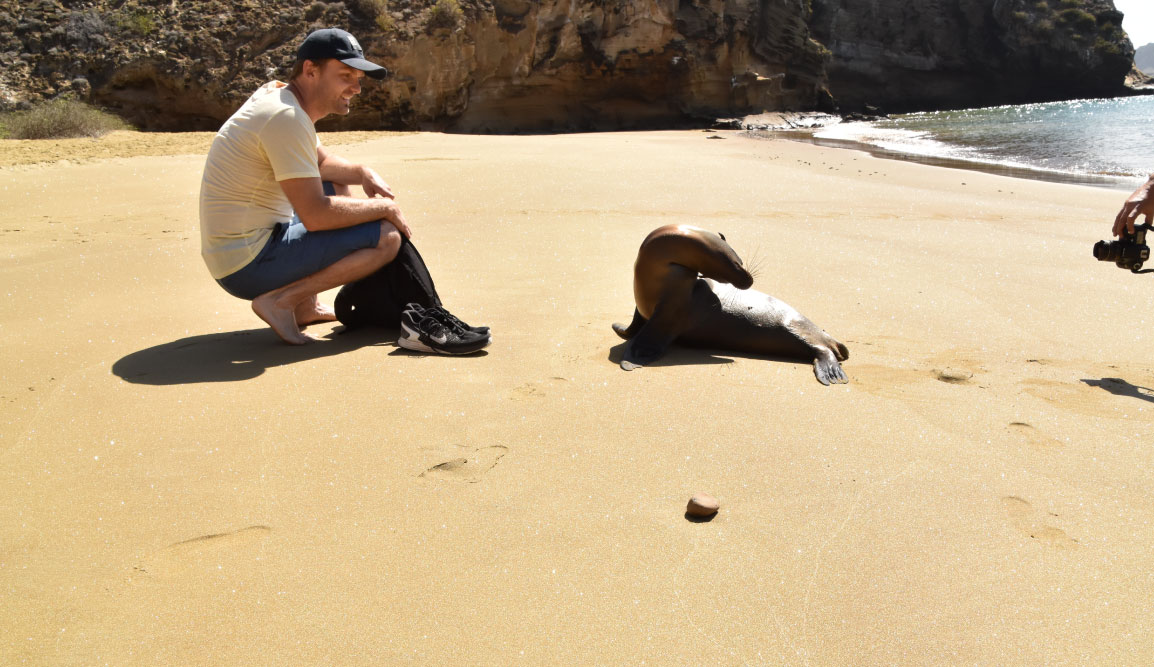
(1139, 203)
(374, 185)
(393, 214)
(319, 212)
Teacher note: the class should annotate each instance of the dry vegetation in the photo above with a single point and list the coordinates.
(59, 119)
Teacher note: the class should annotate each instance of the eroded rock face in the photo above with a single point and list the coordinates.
(930, 54)
(558, 64)
(499, 65)
(550, 65)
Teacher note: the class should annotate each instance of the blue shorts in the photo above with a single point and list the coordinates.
(293, 253)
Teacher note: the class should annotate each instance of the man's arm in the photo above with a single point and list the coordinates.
(1139, 203)
(339, 170)
(319, 212)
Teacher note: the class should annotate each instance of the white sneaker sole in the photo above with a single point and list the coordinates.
(410, 340)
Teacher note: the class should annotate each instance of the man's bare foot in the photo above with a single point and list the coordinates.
(280, 319)
(313, 311)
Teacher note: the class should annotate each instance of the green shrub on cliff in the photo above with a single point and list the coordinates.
(445, 14)
(136, 21)
(1080, 19)
(1108, 46)
(59, 119)
(375, 10)
(1044, 27)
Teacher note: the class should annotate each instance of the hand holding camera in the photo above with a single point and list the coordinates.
(1128, 252)
(1138, 204)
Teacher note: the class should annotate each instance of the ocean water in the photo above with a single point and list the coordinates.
(1107, 142)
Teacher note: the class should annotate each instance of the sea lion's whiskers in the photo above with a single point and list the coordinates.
(756, 263)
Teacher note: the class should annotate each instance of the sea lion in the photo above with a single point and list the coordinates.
(690, 287)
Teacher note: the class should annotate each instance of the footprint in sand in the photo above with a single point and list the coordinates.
(909, 384)
(889, 382)
(1083, 398)
(533, 390)
(527, 391)
(953, 375)
(1034, 524)
(469, 468)
(1032, 436)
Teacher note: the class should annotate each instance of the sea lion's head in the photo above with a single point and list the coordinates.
(700, 250)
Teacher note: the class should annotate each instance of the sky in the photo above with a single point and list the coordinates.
(1139, 20)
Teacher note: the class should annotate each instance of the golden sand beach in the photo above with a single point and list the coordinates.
(179, 487)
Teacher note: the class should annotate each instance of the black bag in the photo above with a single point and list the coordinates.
(379, 298)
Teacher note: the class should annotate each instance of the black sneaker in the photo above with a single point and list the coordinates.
(445, 317)
(422, 332)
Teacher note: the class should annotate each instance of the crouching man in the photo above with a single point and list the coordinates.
(278, 224)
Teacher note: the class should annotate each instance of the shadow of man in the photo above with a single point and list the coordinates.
(234, 356)
(1120, 387)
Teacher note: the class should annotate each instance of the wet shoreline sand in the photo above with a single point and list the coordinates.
(1108, 182)
(182, 488)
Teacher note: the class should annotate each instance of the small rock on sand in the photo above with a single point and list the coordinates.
(702, 504)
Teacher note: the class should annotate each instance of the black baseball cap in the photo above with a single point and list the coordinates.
(336, 43)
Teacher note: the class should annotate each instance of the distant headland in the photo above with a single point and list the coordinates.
(1144, 59)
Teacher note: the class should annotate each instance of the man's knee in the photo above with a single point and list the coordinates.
(336, 189)
(390, 242)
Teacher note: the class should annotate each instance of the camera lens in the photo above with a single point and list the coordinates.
(1107, 251)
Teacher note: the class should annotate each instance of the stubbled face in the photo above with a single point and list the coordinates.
(336, 86)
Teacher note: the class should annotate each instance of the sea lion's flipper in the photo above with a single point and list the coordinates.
(632, 329)
(645, 348)
(828, 370)
(656, 334)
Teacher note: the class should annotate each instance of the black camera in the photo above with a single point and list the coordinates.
(1127, 252)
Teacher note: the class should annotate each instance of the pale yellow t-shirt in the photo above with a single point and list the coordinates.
(269, 139)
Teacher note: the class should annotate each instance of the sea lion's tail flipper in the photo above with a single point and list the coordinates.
(828, 370)
(634, 326)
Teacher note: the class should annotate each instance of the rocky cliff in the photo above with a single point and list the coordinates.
(480, 65)
(521, 65)
(927, 54)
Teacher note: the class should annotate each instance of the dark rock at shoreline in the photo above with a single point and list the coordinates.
(1140, 82)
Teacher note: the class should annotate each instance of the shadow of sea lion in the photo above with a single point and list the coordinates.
(234, 356)
(1120, 387)
(678, 355)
